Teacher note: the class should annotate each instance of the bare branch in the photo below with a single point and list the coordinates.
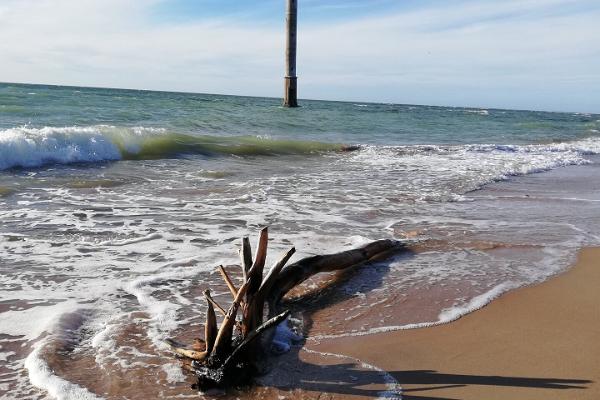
(228, 281)
(214, 302)
(223, 341)
(296, 273)
(259, 262)
(274, 272)
(191, 354)
(210, 327)
(246, 257)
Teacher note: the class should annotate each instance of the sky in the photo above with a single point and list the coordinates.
(517, 54)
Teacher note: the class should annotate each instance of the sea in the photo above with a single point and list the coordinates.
(116, 207)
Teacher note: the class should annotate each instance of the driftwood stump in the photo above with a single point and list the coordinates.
(228, 354)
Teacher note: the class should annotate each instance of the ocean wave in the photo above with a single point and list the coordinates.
(447, 172)
(481, 111)
(26, 147)
(34, 147)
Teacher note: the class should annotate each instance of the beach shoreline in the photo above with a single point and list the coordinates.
(536, 342)
(117, 206)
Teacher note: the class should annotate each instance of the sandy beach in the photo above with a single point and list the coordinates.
(538, 342)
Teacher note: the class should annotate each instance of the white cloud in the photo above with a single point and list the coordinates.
(470, 54)
(525, 54)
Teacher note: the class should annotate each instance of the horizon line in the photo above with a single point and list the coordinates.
(301, 99)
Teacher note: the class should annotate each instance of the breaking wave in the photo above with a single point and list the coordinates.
(34, 147)
(27, 147)
(464, 168)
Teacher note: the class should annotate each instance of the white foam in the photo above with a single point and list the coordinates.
(184, 262)
(103, 342)
(446, 316)
(4, 356)
(477, 302)
(31, 323)
(174, 372)
(163, 313)
(125, 242)
(446, 173)
(393, 391)
(42, 376)
(33, 147)
(480, 112)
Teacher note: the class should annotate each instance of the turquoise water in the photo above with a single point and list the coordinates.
(336, 122)
(116, 205)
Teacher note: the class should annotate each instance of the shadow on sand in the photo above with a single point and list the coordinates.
(434, 380)
(330, 376)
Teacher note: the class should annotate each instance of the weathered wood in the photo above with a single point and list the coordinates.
(231, 371)
(254, 335)
(214, 302)
(259, 261)
(210, 327)
(268, 282)
(246, 256)
(199, 344)
(223, 341)
(210, 333)
(252, 308)
(222, 359)
(182, 351)
(228, 281)
(296, 273)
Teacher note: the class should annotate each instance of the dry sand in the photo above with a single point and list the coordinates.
(539, 342)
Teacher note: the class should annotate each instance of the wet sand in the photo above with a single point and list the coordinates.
(538, 342)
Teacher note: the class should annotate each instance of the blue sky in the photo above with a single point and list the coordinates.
(526, 54)
(271, 11)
